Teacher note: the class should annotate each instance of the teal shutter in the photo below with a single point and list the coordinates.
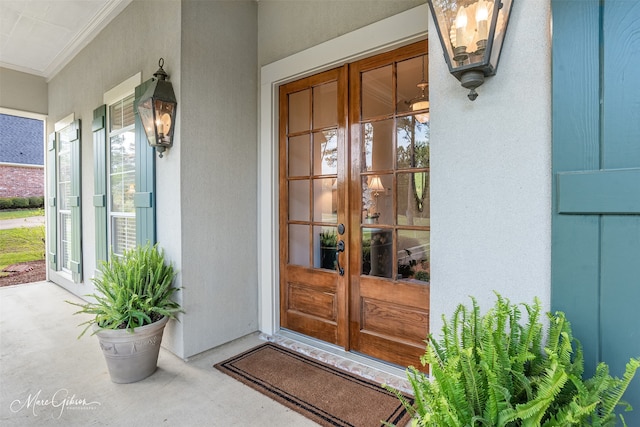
(75, 204)
(52, 187)
(98, 127)
(144, 199)
(596, 172)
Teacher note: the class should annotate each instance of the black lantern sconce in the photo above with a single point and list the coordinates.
(471, 33)
(157, 109)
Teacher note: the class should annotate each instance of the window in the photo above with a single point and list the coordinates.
(65, 228)
(122, 173)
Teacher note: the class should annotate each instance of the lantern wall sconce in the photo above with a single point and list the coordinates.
(471, 33)
(157, 110)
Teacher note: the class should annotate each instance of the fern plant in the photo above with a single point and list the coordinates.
(492, 370)
(132, 290)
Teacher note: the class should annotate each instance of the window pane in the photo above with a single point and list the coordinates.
(299, 200)
(326, 239)
(299, 244)
(299, 111)
(377, 252)
(122, 178)
(64, 174)
(377, 150)
(324, 200)
(325, 154)
(325, 105)
(413, 143)
(121, 114)
(413, 199)
(413, 255)
(299, 154)
(123, 234)
(65, 240)
(377, 199)
(377, 92)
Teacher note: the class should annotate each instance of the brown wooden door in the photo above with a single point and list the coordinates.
(312, 135)
(353, 153)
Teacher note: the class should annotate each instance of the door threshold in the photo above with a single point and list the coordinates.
(354, 363)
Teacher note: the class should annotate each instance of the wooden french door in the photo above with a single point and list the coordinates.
(354, 206)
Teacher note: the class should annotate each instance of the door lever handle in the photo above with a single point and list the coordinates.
(339, 248)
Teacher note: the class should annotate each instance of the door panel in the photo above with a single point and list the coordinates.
(389, 282)
(312, 139)
(596, 164)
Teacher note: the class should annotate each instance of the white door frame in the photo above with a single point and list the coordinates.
(388, 34)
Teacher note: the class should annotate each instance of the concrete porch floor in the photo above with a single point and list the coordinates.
(48, 377)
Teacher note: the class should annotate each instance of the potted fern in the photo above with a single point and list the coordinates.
(492, 370)
(132, 305)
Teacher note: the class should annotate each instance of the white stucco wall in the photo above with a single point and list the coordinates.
(286, 27)
(23, 92)
(490, 162)
(218, 178)
(491, 173)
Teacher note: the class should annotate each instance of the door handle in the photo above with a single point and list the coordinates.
(339, 248)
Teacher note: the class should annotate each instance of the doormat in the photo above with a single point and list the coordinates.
(320, 392)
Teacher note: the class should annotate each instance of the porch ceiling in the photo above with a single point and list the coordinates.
(41, 36)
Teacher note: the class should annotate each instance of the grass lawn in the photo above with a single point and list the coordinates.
(20, 213)
(21, 245)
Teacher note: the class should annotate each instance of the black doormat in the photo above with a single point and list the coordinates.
(320, 392)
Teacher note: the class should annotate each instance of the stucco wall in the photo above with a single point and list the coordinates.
(491, 173)
(128, 45)
(218, 179)
(23, 92)
(286, 27)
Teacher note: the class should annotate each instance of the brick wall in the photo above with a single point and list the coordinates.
(21, 181)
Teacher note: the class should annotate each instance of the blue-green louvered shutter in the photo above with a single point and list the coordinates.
(100, 181)
(52, 184)
(144, 199)
(595, 266)
(75, 200)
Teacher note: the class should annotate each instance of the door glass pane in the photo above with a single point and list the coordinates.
(299, 200)
(413, 255)
(299, 111)
(413, 143)
(410, 73)
(325, 208)
(325, 101)
(299, 153)
(413, 199)
(299, 244)
(325, 152)
(377, 199)
(325, 241)
(377, 252)
(377, 150)
(377, 92)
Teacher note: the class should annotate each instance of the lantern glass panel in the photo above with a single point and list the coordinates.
(164, 113)
(146, 116)
(466, 27)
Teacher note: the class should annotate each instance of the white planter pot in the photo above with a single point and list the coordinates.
(133, 356)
